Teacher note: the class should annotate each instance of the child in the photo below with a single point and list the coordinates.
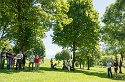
(37, 62)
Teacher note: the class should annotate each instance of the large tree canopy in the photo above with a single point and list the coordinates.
(82, 31)
(114, 31)
(23, 21)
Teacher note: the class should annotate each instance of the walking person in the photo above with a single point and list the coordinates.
(3, 56)
(37, 62)
(8, 58)
(19, 60)
(109, 64)
(31, 61)
(115, 64)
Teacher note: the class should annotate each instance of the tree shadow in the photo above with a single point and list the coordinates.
(11, 71)
(49, 69)
(103, 74)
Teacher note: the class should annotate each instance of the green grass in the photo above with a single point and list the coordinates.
(45, 74)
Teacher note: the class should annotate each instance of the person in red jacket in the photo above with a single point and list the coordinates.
(37, 62)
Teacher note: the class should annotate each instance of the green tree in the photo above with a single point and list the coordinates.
(82, 31)
(65, 54)
(27, 20)
(39, 49)
(4, 19)
(114, 32)
(5, 44)
(80, 59)
(57, 57)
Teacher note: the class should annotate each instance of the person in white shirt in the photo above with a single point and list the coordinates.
(19, 60)
(31, 61)
(109, 65)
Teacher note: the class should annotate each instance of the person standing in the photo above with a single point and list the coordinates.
(8, 58)
(31, 61)
(116, 68)
(37, 62)
(109, 64)
(51, 63)
(19, 60)
(3, 56)
(24, 60)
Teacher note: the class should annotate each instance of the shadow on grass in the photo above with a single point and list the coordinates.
(41, 69)
(103, 74)
(49, 69)
(11, 71)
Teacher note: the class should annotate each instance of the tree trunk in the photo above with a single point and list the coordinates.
(58, 63)
(80, 65)
(120, 65)
(88, 63)
(23, 48)
(83, 64)
(20, 30)
(74, 49)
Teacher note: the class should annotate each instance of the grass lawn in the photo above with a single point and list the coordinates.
(45, 74)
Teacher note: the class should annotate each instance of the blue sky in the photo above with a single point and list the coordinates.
(52, 49)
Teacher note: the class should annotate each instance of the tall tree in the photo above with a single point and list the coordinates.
(114, 32)
(82, 31)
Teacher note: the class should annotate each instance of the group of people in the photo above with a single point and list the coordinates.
(115, 65)
(67, 66)
(11, 59)
(18, 59)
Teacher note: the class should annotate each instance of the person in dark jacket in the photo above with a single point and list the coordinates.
(3, 56)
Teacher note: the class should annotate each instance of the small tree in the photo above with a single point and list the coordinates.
(40, 49)
(57, 57)
(65, 54)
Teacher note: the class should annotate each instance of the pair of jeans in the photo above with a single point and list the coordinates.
(37, 66)
(110, 72)
(8, 63)
(32, 65)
